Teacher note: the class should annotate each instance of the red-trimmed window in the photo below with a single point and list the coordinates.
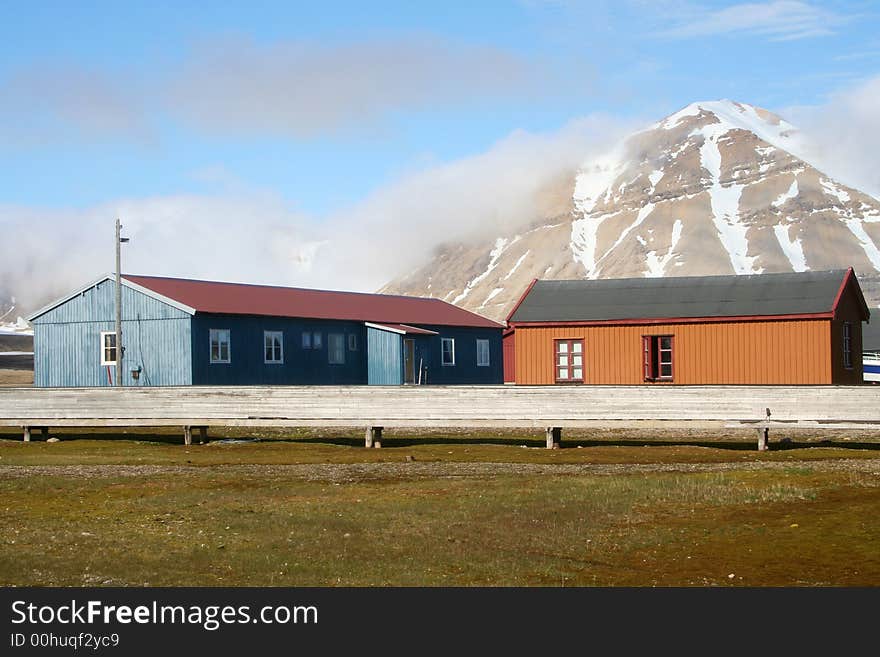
(658, 357)
(847, 345)
(569, 363)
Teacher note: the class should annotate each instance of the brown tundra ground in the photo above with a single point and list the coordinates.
(309, 507)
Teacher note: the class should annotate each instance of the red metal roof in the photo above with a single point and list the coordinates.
(242, 299)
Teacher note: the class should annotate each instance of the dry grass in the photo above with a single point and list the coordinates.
(221, 521)
(16, 378)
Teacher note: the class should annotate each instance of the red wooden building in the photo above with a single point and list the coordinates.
(790, 328)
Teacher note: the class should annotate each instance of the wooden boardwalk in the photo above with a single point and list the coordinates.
(374, 407)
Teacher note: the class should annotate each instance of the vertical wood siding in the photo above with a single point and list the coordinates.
(67, 340)
(465, 370)
(772, 352)
(508, 342)
(247, 364)
(385, 358)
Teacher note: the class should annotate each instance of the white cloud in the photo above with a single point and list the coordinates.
(45, 105)
(843, 135)
(779, 20)
(254, 237)
(44, 253)
(304, 89)
(478, 196)
(296, 89)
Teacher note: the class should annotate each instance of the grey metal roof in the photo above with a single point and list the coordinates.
(680, 297)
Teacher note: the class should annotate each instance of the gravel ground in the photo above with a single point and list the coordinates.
(354, 472)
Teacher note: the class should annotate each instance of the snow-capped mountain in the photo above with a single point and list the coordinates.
(716, 188)
(10, 322)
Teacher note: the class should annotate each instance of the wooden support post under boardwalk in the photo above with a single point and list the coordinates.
(187, 436)
(554, 437)
(763, 439)
(764, 435)
(373, 437)
(45, 431)
(203, 435)
(27, 434)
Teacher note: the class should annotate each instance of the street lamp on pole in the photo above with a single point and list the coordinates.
(119, 348)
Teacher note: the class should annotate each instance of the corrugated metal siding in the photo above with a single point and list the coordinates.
(67, 341)
(508, 342)
(99, 304)
(465, 370)
(384, 358)
(301, 366)
(789, 352)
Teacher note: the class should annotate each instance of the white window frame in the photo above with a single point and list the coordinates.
(279, 335)
(482, 348)
(330, 349)
(104, 348)
(352, 342)
(846, 333)
(443, 362)
(211, 335)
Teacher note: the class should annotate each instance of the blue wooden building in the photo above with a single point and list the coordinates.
(187, 332)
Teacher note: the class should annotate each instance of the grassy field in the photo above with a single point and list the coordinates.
(16, 377)
(461, 509)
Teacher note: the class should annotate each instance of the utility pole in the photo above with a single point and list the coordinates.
(119, 350)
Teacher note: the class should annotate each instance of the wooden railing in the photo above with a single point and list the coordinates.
(373, 407)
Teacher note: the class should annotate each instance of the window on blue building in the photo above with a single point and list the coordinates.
(482, 353)
(353, 342)
(448, 351)
(108, 348)
(220, 346)
(336, 348)
(307, 339)
(273, 347)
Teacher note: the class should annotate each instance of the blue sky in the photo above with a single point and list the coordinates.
(320, 110)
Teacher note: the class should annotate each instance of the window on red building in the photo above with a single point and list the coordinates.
(657, 357)
(569, 363)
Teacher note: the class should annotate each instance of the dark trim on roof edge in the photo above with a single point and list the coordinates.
(521, 299)
(674, 320)
(851, 277)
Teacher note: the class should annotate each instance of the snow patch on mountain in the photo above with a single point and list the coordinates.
(725, 201)
(831, 188)
(792, 248)
(494, 293)
(783, 198)
(500, 245)
(644, 211)
(871, 251)
(18, 327)
(595, 179)
(583, 241)
(656, 264)
(732, 115)
(518, 263)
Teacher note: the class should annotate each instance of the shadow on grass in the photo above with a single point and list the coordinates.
(446, 440)
(735, 445)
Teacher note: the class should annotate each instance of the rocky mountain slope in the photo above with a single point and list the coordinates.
(715, 188)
